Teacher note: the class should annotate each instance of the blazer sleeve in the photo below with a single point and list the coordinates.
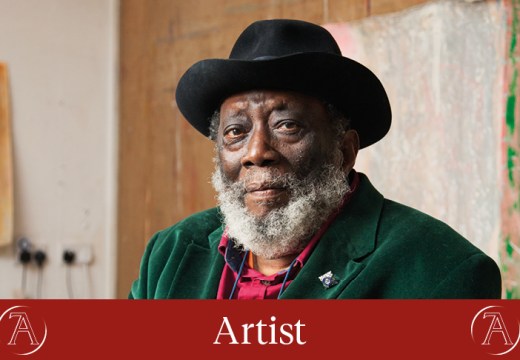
(140, 287)
(477, 277)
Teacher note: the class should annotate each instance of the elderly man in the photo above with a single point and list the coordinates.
(288, 114)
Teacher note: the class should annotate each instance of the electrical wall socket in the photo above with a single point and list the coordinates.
(32, 248)
(83, 253)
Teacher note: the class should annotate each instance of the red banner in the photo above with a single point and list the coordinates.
(178, 329)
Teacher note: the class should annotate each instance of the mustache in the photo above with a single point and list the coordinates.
(262, 179)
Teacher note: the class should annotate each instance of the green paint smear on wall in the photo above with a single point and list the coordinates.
(511, 98)
(511, 103)
(514, 27)
(509, 247)
(512, 293)
(511, 155)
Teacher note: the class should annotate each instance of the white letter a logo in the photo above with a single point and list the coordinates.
(22, 326)
(497, 326)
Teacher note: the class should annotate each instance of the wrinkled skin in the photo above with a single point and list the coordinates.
(263, 133)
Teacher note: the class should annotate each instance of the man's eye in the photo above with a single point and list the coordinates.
(289, 126)
(233, 133)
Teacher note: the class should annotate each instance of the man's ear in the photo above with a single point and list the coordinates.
(350, 149)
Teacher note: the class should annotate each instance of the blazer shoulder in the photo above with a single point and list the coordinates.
(194, 229)
(173, 241)
(430, 259)
(404, 230)
(166, 249)
(399, 218)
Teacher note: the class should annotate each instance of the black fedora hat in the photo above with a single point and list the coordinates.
(287, 55)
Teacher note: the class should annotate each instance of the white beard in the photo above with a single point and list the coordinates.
(288, 229)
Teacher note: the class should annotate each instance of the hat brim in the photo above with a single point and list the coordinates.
(345, 83)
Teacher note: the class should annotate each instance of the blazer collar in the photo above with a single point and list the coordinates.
(351, 237)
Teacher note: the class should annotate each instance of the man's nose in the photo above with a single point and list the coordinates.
(260, 151)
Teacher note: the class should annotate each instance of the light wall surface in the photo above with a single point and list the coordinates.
(62, 58)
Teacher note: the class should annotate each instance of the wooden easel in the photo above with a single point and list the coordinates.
(6, 162)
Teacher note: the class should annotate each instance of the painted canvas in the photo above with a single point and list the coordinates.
(450, 71)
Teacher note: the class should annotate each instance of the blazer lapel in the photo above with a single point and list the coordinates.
(350, 237)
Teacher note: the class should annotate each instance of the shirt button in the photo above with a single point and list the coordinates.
(265, 282)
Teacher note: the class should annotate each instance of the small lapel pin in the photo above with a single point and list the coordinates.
(328, 280)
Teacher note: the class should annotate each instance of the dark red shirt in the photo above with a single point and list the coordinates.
(255, 285)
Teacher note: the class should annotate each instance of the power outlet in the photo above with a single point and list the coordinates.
(82, 252)
(32, 248)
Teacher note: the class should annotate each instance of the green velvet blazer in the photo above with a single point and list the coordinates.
(377, 248)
